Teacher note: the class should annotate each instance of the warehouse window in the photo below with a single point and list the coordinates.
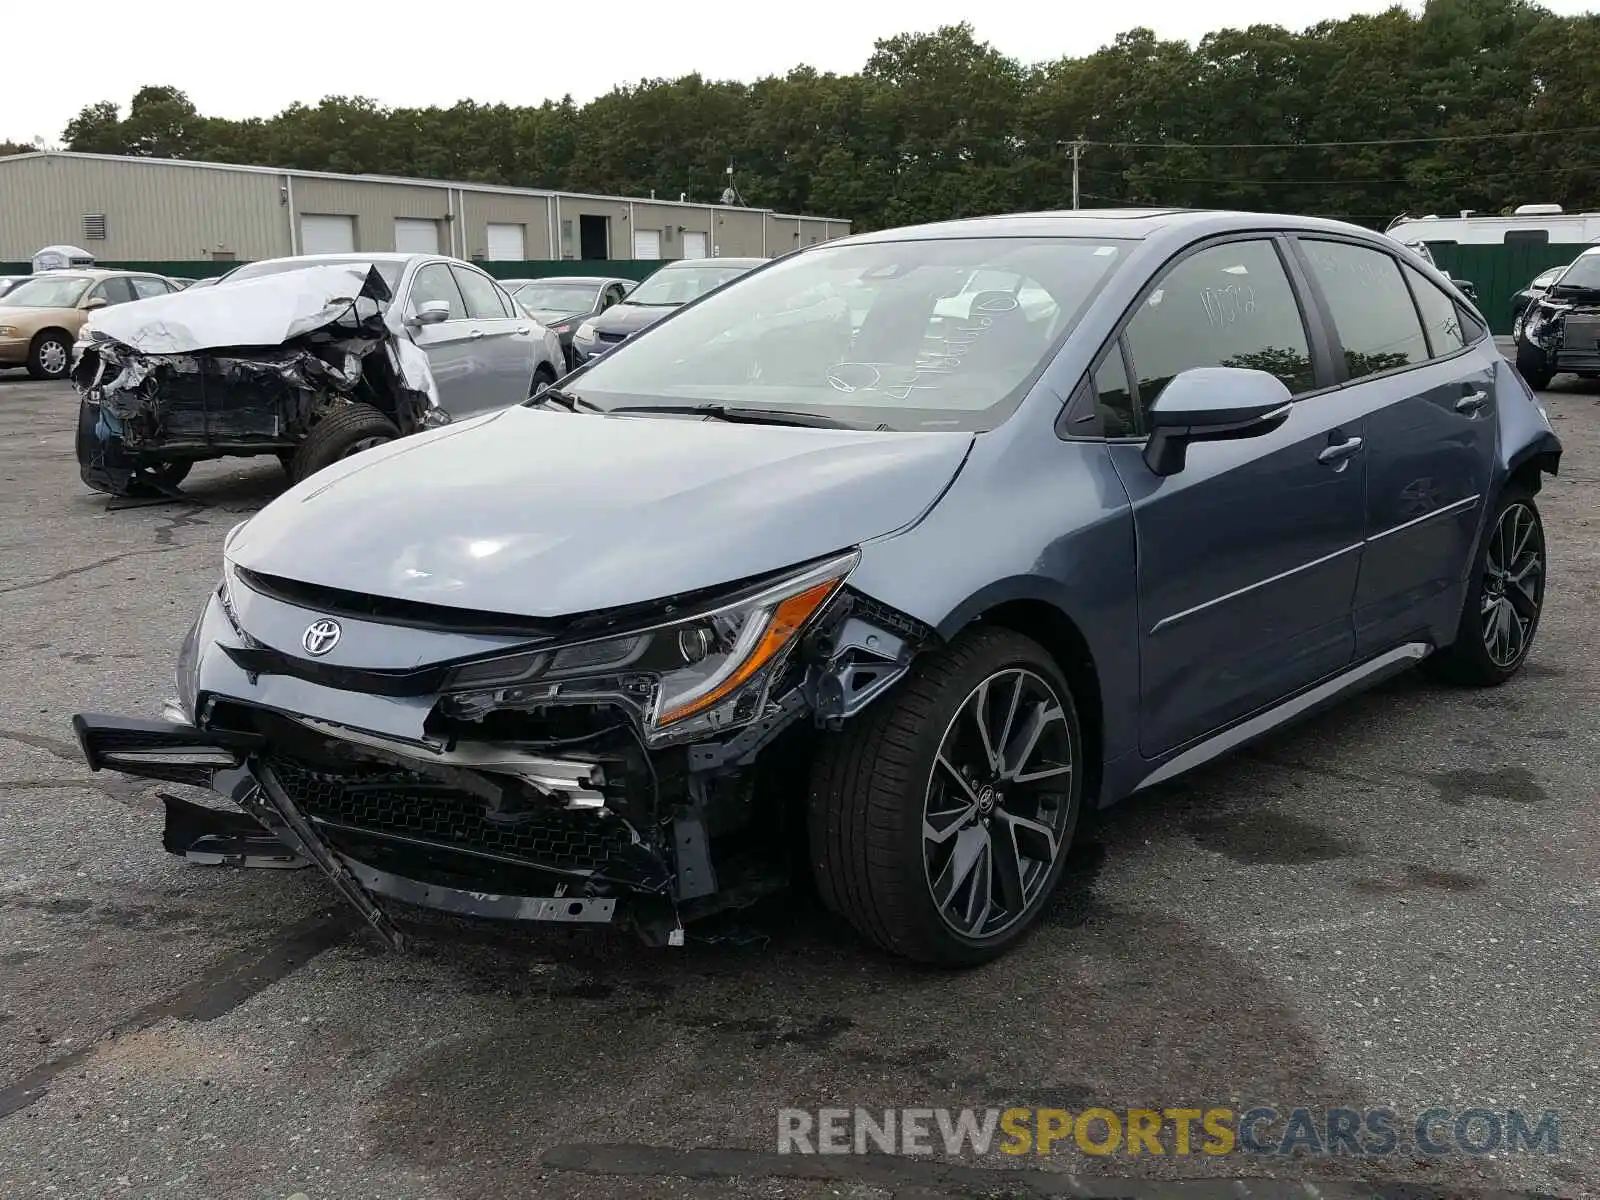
(94, 227)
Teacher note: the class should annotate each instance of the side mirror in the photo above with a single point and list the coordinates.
(431, 312)
(94, 302)
(1212, 404)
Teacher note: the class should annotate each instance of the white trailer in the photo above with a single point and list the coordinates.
(1529, 225)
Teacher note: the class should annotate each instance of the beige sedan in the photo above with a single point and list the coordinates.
(41, 316)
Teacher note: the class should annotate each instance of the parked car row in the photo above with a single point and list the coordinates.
(885, 562)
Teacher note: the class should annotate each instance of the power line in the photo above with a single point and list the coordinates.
(1415, 141)
(1340, 182)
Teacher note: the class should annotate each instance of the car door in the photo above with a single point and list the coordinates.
(1247, 558)
(1401, 343)
(447, 344)
(503, 340)
(113, 290)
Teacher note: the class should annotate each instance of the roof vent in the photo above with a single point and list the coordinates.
(1537, 210)
(94, 227)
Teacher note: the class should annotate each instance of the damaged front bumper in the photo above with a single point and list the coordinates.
(515, 804)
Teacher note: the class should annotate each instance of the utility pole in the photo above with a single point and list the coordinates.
(1077, 152)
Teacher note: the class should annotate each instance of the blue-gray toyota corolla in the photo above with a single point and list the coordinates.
(880, 564)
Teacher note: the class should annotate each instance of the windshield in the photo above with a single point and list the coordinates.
(389, 270)
(945, 334)
(558, 297)
(48, 291)
(1583, 273)
(679, 285)
(1545, 278)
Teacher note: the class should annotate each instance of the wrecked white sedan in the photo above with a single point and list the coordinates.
(311, 359)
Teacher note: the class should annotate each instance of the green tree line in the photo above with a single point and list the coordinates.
(1469, 104)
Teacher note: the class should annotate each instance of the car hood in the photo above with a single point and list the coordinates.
(539, 513)
(555, 316)
(265, 311)
(630, 318)
(29, 321)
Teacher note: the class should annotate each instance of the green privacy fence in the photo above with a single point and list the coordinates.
(1499, 272)
(533, 269)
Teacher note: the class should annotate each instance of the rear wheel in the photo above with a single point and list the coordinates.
(940, 817)
(1504, 599)
(343, 432)
(50, 356)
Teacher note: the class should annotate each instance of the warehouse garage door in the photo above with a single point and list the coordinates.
(416, 235)
(322, 233)
(647, 243)
(507, 244)
(694, 244)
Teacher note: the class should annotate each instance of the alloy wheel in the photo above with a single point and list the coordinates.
(52, 357)
(1513, 585)
(997, 803)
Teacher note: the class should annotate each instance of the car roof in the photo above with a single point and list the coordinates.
(1110, 223)
(594, 280)
(84, 273)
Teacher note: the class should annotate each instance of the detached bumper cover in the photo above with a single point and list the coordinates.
(293, 817)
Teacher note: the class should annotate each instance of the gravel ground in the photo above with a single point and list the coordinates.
(1394, 904)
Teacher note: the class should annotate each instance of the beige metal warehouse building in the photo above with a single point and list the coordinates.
(165, 210)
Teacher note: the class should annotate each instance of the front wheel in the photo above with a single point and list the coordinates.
(1504, 598)
(1534, 368)
(347, 430)
(50, 356)
(940, 818)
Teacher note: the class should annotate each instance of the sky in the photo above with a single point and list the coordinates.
(523, 51)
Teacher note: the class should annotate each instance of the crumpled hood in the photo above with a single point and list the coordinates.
(539, 513)
(630, 318)
(265, 311)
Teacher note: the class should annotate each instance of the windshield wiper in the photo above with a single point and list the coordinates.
(554, 395)
(745, 416)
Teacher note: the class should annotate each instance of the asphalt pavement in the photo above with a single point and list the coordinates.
(1394, 904)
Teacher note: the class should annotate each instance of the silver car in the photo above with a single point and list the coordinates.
(484, 351)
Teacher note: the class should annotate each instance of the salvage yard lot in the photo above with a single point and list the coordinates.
(1395, 903)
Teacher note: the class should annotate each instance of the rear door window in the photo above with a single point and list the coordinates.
(1441, 320)
(482, 296)
(1229, 305)
(144, 287)
(1373, 313)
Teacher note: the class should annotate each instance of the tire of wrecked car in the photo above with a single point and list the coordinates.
(346, 431)
(106, 467)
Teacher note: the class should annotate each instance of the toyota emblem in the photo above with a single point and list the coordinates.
(320, 637)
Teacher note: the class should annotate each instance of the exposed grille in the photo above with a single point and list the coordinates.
(395, 802)
(1581, 333)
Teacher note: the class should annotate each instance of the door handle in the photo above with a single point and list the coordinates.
(1339, 451)
(1472, 402)
(477, 333)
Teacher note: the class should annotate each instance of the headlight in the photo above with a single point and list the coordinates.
(701, 674)
(585, 332)
(8, 331)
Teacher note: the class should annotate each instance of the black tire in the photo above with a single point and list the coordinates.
(872, 786)
(1496, 604)
(543, 376)
(107, 468)
(1533, 367)
(50, 355)
(345, 431)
